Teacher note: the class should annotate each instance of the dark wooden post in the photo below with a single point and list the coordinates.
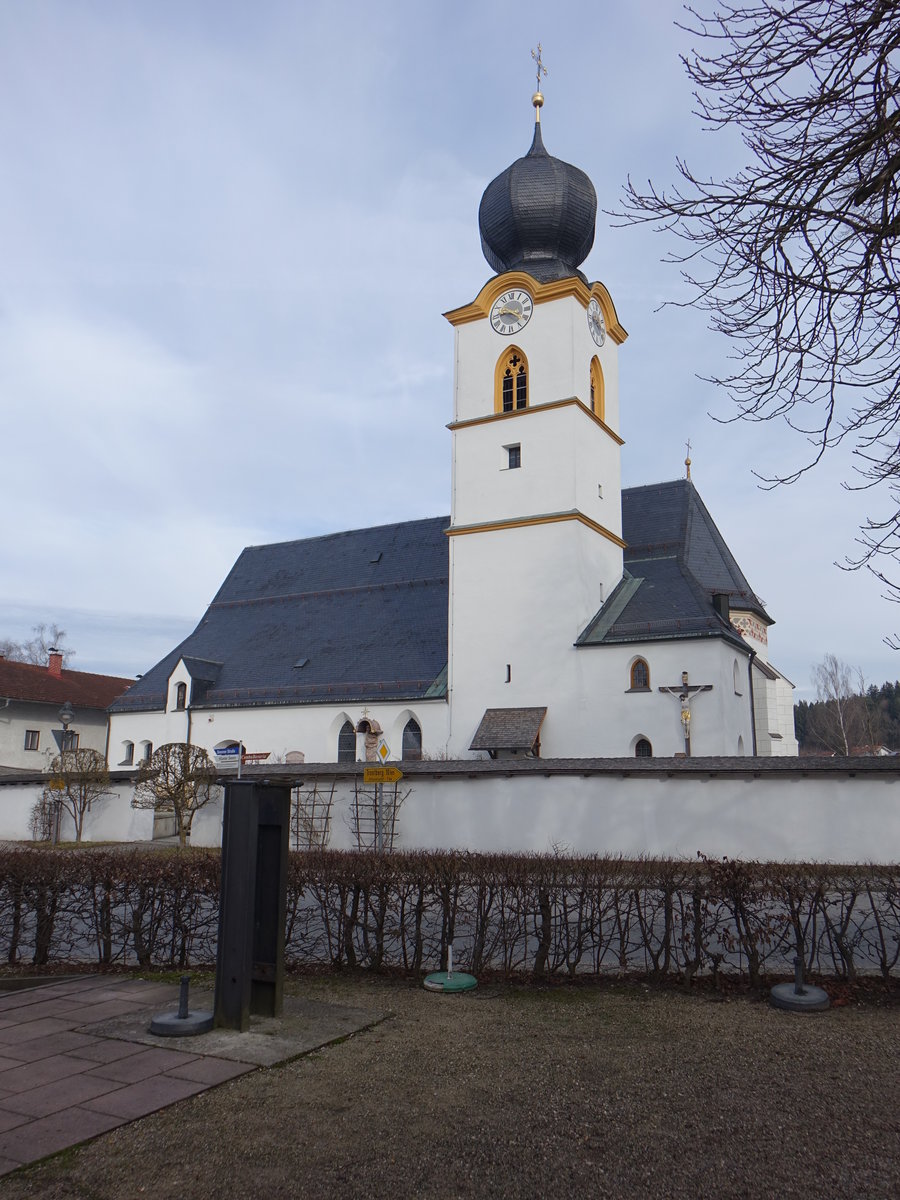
(252, 903)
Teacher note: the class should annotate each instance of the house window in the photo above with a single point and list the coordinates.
(598, 397)
(640, 676)
(128, 757)
(347, 743)
(69, 740)
(32, 739)
(511, 382)
(148, 751)
(643, 749)
(181, 696)
(513, 457)
(412, 739)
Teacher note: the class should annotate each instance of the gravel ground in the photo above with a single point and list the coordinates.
(510, 1091)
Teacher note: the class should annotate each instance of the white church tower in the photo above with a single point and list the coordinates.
(536, 513)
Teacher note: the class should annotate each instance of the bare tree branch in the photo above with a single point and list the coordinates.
(795, 256)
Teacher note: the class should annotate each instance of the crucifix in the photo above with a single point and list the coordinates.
(683, 692)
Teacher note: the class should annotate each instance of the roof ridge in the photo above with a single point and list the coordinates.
(342, 533)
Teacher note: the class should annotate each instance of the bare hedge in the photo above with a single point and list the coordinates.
(543, 915)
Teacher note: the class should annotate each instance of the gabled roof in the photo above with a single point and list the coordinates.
(38, 685)
(364, 612)
(675, 562)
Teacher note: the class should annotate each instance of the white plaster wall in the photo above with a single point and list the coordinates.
(565, 456)
(90, 725)
(817, 818)
(110, 819)
(311, 729)
(520, 596)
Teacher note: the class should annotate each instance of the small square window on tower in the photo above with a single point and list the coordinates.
(513, 456)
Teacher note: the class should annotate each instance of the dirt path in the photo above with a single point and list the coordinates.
(518, 1092)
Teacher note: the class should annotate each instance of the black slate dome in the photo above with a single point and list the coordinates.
(538, 216)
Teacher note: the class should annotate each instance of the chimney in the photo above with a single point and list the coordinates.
(722, 605)
(54, 666)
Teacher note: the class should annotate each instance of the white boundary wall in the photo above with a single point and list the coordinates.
(827, 816)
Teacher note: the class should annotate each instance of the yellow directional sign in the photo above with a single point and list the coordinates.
(382, 774)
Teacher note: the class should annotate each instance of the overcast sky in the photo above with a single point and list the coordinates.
(228, 232)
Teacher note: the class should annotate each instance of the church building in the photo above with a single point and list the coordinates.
(552, 613)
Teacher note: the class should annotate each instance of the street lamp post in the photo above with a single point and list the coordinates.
(67, 716)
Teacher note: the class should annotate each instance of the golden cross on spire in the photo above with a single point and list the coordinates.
(537, 99)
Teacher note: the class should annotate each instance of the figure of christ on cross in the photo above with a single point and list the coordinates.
(683, 692)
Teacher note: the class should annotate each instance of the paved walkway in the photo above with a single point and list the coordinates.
(76, 1057)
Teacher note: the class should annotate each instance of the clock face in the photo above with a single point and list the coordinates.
(511, 311)
(596, 324)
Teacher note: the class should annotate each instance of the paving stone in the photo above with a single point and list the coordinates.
(24, 1031)
(141, 1066)
(210, 1070)
(139, 1099)
(63, 1093)
(90, 1014)
(7, 1165)
(9, 1119)
(43, 1047)
(58, 1007)
(6, 1061)
(36, 1139)
(104, 1050)
(43, 1070)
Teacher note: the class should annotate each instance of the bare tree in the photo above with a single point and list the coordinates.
(179, 778)
(840, 721)
(78, 778)
(37, 649)
(795, 256)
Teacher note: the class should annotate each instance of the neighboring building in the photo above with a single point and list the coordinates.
(31, 697)
(550, 613)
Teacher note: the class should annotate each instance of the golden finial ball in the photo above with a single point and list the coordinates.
(537, 100)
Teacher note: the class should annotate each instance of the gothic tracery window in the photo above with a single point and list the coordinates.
(512, 381)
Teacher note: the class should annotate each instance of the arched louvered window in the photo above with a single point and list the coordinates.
(640, 676)
(598, 399)
(643, 749)
(347, 743)
(412, 739)
(511, 381)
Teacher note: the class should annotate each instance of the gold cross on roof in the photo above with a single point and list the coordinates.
(541, 69)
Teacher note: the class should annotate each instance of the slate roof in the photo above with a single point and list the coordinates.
(365, 611)
(675, 561)
(37, 685)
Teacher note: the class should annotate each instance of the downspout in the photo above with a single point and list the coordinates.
(106, 751)
(752, 703)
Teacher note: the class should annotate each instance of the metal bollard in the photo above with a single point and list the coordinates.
(183, 998)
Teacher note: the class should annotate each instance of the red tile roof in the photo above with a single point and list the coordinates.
(22, 681)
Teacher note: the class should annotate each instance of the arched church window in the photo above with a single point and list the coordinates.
(640, 676)
(347, 743)
(643, 749)
(181, 696)
(511, 383)
(598, 397)
(412, 739)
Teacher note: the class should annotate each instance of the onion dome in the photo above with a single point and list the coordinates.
(538, 216)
